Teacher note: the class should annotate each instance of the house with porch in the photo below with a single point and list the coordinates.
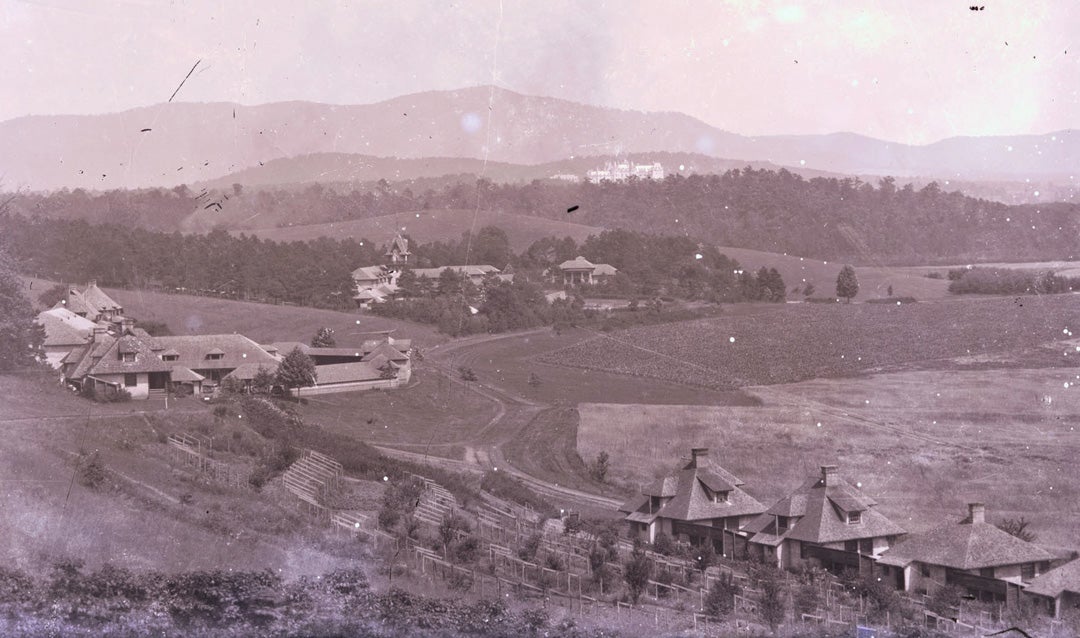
(1057, 591)
(580, 271)
(991, 564)
(700, 503)
(826, 522)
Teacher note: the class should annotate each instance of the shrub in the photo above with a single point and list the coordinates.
(528, 549)
(91, 470)
(637, 572)
(468, 550)
(945, 600)
(663, 544)
(721, 599)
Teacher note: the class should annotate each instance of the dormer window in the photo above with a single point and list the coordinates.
(169, 357)
(128, 357)
(215, 356)
(719, 497)
(854, 518)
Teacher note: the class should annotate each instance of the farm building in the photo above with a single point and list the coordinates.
(64, 330)
(92, 303)
(827, 522)
(991, 564)
(581, 271)
(696, 504)
(147, 366)
(1058, 590)
(350, 369)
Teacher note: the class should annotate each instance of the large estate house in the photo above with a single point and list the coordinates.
(988, 562)
(700, 503)
(827, 522)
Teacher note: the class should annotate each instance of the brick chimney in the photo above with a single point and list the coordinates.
(828, 472)
(697, 454)
(976, 513)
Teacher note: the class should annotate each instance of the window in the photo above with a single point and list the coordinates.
(131, 380)
(851, 546)
(854, 518)
(866, 546)
(987, 572)
(170, 357)
(214, 356)
(127, 356)
(1027, 571)
(719, 497)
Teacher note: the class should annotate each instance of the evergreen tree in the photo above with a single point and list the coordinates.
(296, 371)
(21, 337)
(637, 571)
(847, 284)
(262, 381)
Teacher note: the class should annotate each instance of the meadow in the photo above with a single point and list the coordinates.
(433, 225)
(923, 444)
(796, 342)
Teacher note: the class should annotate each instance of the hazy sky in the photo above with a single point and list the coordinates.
(908, 71)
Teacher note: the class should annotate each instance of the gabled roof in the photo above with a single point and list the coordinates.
(604, 269)
(967, 545)
(235, 350)
(1057, 580)
(365, 273)
(401, 244)
(96, 297)
(110, 361)
(247, 371)
(387, 351)
(688, 492)
(346, 372)
(64, 328)
(90, 302)
(819, 510)
(180, 373)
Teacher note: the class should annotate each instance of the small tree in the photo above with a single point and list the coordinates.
(772, 599)
(847, 284)
(663, 545)
(91, 471)
(721, 599)
(637, 571)
(808, 289)
(600, 466)
(945, 600)
(324, 338)
(296, 371)
(262, 381)
(466, 374)
(1018, 528)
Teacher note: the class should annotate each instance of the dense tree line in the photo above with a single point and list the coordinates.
(1009, 281)
(827, 218)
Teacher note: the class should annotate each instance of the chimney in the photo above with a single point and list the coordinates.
(976, 513)
(827, 472)
(696, 454)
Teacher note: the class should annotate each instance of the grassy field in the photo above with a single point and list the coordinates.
(432, 412)
(265, 323)
(434, 225)
(922, 443)
(803, 341)
(150, 514)
(874, 281)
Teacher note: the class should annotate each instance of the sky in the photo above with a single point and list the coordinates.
(908, 71)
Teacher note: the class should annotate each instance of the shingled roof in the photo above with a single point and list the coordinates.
(969, 544)
(1057, 580)
(63, 327)
(820, 506)
(689, 490)
(90, 302)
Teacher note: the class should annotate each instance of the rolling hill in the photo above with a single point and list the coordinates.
(433, 225)
(169, 144)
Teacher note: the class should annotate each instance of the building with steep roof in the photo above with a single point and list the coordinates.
(700, 503)
(827, 522)
(64, 331)
(989, 563)
(92, 303)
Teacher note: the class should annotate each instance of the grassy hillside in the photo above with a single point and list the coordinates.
(803, 341)
(433, 225)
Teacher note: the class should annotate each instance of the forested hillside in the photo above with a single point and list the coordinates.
(776, 211)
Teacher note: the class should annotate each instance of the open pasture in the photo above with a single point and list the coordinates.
(874, 281)
(921, 443)
(804, 341)
(433, 225)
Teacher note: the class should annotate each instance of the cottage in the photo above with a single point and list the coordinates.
(989, 563)
(826, 522)
(1058, 590)
(580, 271)
(697, 504)
(64, 331)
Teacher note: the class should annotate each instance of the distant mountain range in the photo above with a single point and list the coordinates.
(170, 144)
